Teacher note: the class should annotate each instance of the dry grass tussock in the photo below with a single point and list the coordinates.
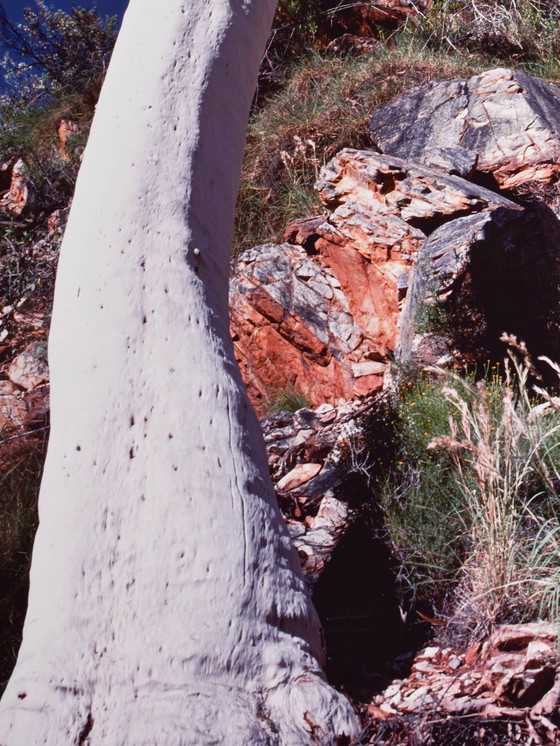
(507, 465)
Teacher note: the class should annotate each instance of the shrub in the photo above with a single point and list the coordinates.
(53, 52)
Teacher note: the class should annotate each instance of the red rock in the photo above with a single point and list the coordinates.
(518, 636)
(293, 326)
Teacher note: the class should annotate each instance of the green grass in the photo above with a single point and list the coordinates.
(470, 496)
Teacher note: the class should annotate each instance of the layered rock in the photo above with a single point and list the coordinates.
(322, 312)
(507, 120)
(513, 675)
(388, 185)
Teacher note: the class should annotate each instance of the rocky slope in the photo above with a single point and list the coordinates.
(416, 257)
(432, 243)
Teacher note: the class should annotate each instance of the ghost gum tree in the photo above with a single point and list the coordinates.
(166, 605)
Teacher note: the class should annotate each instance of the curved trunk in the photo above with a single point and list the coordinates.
(166, 603)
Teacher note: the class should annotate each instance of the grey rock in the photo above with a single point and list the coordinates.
(510, 119)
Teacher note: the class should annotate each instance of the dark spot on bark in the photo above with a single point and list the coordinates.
(132, 423)
(22, 695)
(78, 448)
(131, 453)
(86, 730)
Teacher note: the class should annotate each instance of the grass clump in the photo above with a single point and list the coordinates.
(471, 503)
(288, 399)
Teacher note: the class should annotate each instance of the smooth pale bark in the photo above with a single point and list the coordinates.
(166, 604)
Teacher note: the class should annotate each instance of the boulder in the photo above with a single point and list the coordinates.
(30, 367)
(477, 277)
(292, 326)
(390, 185)
(508, 120)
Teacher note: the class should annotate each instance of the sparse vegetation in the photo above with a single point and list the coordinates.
(53, 70)
(469, 479)
(471, 499)
(288, 399)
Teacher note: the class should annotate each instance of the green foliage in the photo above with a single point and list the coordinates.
(470, 498)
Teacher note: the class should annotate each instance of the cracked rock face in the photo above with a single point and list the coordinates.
(323, 313)
(292, 326)
(508, 120)
(322, 316)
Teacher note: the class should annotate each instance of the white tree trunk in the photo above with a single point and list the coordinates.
(166, 604)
